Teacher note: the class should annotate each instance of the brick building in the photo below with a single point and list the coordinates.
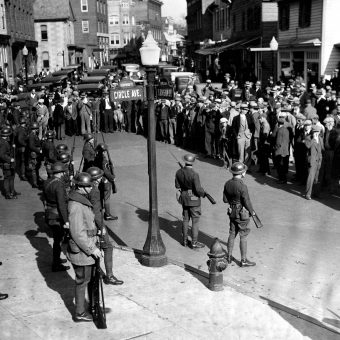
(54, 31)
(91, 30)
(20, 28)
(4, 43)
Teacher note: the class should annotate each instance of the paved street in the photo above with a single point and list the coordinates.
(296, 252)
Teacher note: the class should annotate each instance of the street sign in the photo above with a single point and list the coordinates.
(126, 91)
(165, 92)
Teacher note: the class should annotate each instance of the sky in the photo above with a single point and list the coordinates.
(175, 8)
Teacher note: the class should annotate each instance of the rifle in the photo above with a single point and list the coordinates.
(257, 221)
(111, 168)
(209, 197)
(71, 166)
(97, 295)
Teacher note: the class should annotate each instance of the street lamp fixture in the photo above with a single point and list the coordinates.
(25, 54)
(274, 46)
(154, 249)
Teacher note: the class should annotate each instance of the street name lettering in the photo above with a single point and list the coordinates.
(133, 93)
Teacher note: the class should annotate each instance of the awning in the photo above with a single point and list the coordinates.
(206, 51)
(31, 43)
(295, 43)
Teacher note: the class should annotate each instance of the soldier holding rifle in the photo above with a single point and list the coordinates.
(236, 194)
(188, 182)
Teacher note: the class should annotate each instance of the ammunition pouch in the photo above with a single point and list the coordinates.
(91, 233)
(190, 199)
(237, 211)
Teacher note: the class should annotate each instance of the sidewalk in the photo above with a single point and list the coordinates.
(154, 303)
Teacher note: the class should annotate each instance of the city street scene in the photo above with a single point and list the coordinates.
(169, 169)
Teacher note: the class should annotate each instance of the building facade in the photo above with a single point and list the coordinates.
(20, 28)
(54, 31)
(122, 27)
(4, 44)
(309, 43)
(91, 31)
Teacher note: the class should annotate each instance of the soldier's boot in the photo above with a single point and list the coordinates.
(243, 248)
(7, 191)
(230, 247)
(11, 188)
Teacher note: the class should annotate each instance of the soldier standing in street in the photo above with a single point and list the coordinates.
(21, 143)
(108, 180)
(34, 152)
(49, 152)
(95, 198)
(89, 152)
(56, 212)
(82, 249)
(7, 163)
(188, 182)
(236, 194)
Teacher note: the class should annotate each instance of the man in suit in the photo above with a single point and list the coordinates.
(106, 109)
(243, 128)
(188, 183)
(85, 113)
(315, 148)
(281, 139)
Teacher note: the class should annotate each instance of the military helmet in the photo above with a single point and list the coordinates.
(49, 135)
(189, 159)
(63, 157)
(34, 126)
(58, 167)
(238, 168)
(5, 132)
(95, 172)
(83, 179)
(88, 136)
(62, 148)
(101, 147)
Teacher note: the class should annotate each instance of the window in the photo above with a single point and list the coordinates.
(283, 16)
(133, 23)
(228, 17)
(98, 27)
(2, 17)
(84, 5)
(257, 17)
(115, 39)
(305, 9)
(234, 22)
(250, 19)
(126, 38)
(113, 20)
(85, 26)
(45, 60)
(98, 6)
(125, 19)
(104, 9)
(44, 36)
(217, 20)
(222, 20)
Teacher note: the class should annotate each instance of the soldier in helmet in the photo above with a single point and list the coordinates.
(56, 214)
(65, 158)
(61, 148)
(7, 163)
(95, 198)
(89, 152)
(236, 194)
(34, 152)
(105, 187)
(49, 152)
(82, 249)
(20, 139)
(188, 182)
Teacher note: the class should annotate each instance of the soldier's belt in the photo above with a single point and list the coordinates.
(91, 233)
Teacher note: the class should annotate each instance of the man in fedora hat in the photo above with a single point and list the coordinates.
(106, 109)
(235, 193)
(187, 181)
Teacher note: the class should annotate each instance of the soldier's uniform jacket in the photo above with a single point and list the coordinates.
(20, 137)
(83, 231)
(102, 163)
(188, 181)
(236, 194)
(49, 151)
(56, 200)
(95, 199)
(5, 153)
(33, 145)
(89, 154)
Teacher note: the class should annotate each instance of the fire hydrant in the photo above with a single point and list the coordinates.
(216, 264)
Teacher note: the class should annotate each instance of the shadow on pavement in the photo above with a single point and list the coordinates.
(60, 282)
(294, 318)
(333, 322)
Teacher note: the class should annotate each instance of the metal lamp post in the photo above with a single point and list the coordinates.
(25, 54)
(154, 249)
(274, 45)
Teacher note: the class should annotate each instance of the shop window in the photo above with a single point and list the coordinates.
(44, 36)
(284, 16)
(113, 20)
(46, 60)
(84, 6)
(305, 9)
(115, 39)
